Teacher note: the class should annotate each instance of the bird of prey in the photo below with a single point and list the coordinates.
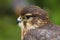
(36, 25)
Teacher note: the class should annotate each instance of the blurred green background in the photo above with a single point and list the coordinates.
(9, 29)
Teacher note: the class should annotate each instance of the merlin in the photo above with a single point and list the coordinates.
(36, 25)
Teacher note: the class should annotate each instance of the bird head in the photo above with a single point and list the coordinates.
(32, 17)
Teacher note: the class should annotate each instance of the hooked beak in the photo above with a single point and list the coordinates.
(19, 20)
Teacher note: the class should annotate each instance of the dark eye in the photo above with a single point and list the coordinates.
(28, 17)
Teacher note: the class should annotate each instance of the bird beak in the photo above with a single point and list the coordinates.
(19, 19)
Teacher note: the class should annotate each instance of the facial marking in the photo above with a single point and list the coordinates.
(28, 14)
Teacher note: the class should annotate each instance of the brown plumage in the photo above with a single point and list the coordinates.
(37, 26)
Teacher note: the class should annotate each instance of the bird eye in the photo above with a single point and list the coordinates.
(28, 17)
